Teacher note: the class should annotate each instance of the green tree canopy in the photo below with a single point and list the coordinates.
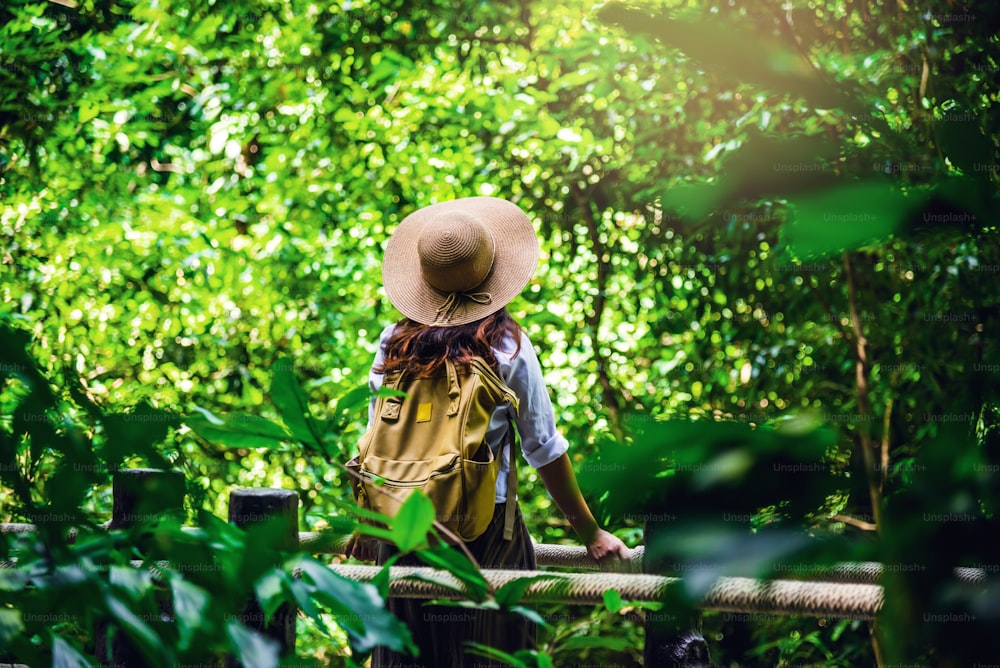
(749, 212)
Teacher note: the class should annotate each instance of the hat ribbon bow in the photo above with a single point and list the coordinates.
(454, 299)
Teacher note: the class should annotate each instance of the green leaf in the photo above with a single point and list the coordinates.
(191, 603)
(13, 580)
(139, 632)
(375, 532)
(513, 591)
(88, 110)
(612, 600)
(252, 648)
(846, 217)
(744, 55)
(530, 614)
(381, 581)
(238, 430)
(358, 607)
(723, 467)
(384, 391)
(440, 580)
(11, 625)
(360, 396)
(496, 654)
(371, 516)
(270, 591)
(64, 655)
(133, 581)
(762, 166)
(455, 562)
(415, 518)
(293, 404)
(301, 593)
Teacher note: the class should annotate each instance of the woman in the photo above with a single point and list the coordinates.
(451, 269)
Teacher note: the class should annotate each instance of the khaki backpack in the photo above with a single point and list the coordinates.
(434, 439)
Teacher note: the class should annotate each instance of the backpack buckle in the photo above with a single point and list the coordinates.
(391, 407)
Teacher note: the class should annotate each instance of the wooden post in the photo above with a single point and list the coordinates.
(254, 506)
(672, 640)
(140, 496)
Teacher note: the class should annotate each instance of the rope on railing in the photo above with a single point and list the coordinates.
(728, 594)
(16, 527)
(870, 572)
(572, 556)
(323, 542)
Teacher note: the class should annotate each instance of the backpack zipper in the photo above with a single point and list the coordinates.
(408, 483)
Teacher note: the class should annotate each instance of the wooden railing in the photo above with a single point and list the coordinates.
(846, 590)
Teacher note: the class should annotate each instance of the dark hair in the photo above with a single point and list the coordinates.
(421, 349)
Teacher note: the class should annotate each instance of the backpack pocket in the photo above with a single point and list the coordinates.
(399, 477)
(479, 478)
(464, 490)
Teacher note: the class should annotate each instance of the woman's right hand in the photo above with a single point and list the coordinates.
(605, 547)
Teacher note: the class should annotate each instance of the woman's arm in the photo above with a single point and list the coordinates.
(561, 482)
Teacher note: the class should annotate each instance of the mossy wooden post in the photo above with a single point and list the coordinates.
(672, 640)
(255, 506)
(140, 497)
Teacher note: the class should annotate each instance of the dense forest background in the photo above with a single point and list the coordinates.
(773, 217)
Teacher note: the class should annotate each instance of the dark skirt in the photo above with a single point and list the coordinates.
(441, 632)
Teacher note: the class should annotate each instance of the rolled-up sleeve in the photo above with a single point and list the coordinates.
(541, 441)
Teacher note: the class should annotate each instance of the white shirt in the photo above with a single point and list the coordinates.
(541, 443)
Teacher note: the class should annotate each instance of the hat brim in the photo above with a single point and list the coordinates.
(515, 259)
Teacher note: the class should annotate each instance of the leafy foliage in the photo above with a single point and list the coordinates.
(748, 211)
(185, 602)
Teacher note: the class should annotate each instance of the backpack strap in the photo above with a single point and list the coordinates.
(454, 390)
(511, 504)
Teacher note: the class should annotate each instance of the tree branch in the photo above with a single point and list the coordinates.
(864, 410)
(886, 420)
(854, 522)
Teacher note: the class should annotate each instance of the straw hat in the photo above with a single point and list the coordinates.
(455, 262)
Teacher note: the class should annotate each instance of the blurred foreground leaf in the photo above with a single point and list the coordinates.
(238, 430)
